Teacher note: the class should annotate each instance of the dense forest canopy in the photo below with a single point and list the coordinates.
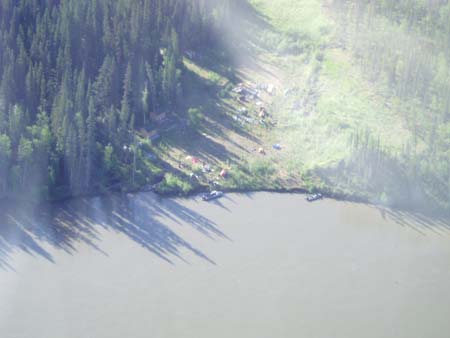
(78, 76)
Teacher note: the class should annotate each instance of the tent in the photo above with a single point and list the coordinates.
(276, 146)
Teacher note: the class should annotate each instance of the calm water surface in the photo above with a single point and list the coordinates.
(257, 265)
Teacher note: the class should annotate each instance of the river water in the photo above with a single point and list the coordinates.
(248, 265)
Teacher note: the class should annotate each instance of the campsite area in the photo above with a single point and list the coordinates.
(287, 106)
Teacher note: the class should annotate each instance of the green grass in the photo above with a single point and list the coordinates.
(175, 184)
(297, 17)
(205, 73)
(330, 101)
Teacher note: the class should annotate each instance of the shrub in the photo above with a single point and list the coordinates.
(174, 184)
(195, 116)
(262, 168)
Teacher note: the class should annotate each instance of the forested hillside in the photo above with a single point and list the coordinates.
(403, 48)
(78, 76)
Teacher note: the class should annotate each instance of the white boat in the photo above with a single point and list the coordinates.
(212, 195)
(314, 197)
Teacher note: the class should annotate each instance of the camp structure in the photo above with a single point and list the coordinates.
(152, 135)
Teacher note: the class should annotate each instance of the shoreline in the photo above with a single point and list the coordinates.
(327, 193)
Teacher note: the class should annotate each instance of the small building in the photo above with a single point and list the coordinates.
(158, 118)
(152, 135)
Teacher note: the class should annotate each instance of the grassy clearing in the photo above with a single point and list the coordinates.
(322, 100)
(216, 138)
(295, 17)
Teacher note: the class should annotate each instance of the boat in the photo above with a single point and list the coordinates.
(314, 197)
(212, 195)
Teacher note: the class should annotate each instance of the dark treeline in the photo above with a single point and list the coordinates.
(78, 76)
(404, 47)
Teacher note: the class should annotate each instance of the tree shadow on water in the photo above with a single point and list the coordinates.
(143, 218)
(422, 223)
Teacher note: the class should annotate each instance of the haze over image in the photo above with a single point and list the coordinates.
(238, 168)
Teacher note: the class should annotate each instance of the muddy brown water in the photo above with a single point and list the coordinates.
(255, 265)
